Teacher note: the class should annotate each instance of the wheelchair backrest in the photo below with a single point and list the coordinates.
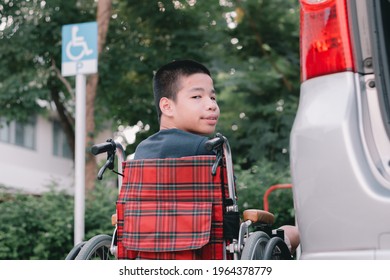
(171, 209)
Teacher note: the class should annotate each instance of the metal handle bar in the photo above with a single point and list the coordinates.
(215, 143)
(108, 146)
(112, 148)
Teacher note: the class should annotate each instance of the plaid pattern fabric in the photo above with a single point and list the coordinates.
(171, 209)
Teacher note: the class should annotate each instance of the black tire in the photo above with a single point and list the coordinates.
(97, 248)
(254, 247)
(75, 251)
(277, 249)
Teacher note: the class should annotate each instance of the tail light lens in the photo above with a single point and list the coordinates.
(324, 40)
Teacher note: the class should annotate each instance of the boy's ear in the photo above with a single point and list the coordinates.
(166, 106)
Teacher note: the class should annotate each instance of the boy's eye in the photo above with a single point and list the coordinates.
(196, 96)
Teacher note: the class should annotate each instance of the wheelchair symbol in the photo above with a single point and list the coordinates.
(78, 45)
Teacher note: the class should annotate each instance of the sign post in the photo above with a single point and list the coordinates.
(79, 58)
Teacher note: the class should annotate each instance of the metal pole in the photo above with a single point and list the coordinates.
(79, 196)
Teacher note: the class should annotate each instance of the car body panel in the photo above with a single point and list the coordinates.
(342, 205)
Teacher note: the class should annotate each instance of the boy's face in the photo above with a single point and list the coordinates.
(195, 109)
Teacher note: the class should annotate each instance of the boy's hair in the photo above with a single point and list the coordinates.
(166, 81)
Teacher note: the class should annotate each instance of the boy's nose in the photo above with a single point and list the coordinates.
(212, 105)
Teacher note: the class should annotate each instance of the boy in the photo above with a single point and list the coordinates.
(188, 112)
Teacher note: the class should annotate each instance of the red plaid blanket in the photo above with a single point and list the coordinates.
(171, 209)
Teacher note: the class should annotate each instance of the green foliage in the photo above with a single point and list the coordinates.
(252, 183)
(259, 91)
(251, 47)
(30, 48)
(41, 227)
(144, 35)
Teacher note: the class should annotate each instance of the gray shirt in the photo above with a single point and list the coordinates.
(172, 143)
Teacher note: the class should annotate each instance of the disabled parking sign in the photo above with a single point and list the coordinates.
(79, 57)
(79, 49)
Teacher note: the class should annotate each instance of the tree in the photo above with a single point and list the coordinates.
(262, 85)
(103, 21)
(261, 97)
(32, 74)
(250, 46)
(143, 36)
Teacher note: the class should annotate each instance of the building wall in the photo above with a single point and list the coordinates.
(34, 170)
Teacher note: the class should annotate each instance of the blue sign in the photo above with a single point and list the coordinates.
(79, 49)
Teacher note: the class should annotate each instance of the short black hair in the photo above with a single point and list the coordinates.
(167, 78)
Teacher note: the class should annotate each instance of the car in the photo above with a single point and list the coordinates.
(340, 138)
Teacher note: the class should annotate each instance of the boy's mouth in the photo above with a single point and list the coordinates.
(211, 119)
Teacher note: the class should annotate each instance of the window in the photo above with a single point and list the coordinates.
(18, 133)
(25, 134)
(60, 144)
(4, 131)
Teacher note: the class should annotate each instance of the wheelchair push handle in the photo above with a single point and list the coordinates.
(215, 142)
(221, 145)
(112, 148)
(108, 146)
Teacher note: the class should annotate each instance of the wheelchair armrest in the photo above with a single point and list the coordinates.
(258, 216)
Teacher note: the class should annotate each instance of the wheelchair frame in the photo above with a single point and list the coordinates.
(255, 238)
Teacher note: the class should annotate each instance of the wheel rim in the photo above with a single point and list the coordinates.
(259, 246)
(102, 253)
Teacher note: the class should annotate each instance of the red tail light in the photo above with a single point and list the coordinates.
(324, 40)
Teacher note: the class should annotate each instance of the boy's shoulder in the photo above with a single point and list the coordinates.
(172, 143)
(176, 137)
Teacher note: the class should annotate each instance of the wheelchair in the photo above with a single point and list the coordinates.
(181, 208)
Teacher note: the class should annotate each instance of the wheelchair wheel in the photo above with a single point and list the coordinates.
(254, 247)
(97, 248)
(75, 250)
(276, 249)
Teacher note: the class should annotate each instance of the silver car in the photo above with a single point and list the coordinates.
(340, 140)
